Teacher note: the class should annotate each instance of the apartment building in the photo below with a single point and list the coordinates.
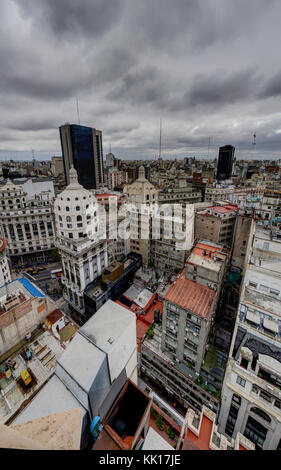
(27, 223)
(233, 194)
(180, 344)
(22, 308)
(251, 396)
(216, 224)
(181, 195)
(242, 234)
(140, 193)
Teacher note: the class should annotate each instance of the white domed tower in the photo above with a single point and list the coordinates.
(83, 252)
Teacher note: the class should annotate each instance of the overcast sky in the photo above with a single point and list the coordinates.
(209, 68)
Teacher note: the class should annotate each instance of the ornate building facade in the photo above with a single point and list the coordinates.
(80, 241)
(26, 223)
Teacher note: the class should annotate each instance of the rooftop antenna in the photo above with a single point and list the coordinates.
(77, 105)
(254, 142)
(160, 142)
(209, 144)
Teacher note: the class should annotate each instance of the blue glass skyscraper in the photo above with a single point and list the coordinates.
(82, 148)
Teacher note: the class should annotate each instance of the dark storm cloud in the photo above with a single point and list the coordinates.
(273, 87)
(222, 88)
(207, 67)
(142, 86)
(73, 17)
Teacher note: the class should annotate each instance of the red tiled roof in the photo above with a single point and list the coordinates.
(225, 209)
(192, 296)
(54, 316)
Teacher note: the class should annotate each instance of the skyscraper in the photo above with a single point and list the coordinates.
(82, 148)
(225, 162)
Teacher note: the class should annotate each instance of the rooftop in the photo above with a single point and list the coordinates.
(54, 316)
(191, 296)
(45, 352)
(125, 420)
(20, 286)
(144, 317)
(154, 441)
(60, 431)
(202, 434)
(225, 208)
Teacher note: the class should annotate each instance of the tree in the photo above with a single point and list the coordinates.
(55, 254)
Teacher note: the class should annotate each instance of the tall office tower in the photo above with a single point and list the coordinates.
(251, 394)
(225, 162)
(82, 148)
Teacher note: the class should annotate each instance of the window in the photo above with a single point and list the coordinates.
(266, 246)
(240, 381)
(78, 208)
(274, 291)
(277, 403)
(262, 414)
(266, 396)
(264, 288)
(244, 363)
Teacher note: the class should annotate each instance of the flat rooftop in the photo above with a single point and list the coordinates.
(20, 286)
(191, 296)
(46, 349)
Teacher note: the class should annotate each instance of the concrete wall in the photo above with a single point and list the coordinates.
(23, 319)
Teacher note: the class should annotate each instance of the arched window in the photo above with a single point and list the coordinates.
(60, 217)
(67, 209)
(79, 218)
(78, 208)
(261, 413)
(68, 218)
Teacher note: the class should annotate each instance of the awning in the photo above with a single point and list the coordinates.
(270, 325)
(253, 317)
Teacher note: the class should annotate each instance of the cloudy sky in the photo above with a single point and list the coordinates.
(208, 68)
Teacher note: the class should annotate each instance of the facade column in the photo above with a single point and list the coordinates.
(242, 418)
(98, 264)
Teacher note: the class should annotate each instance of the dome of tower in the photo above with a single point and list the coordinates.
(76, 211)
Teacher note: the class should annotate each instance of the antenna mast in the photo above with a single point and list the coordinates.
(209, 144)
(77, 105)
(160, 143)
